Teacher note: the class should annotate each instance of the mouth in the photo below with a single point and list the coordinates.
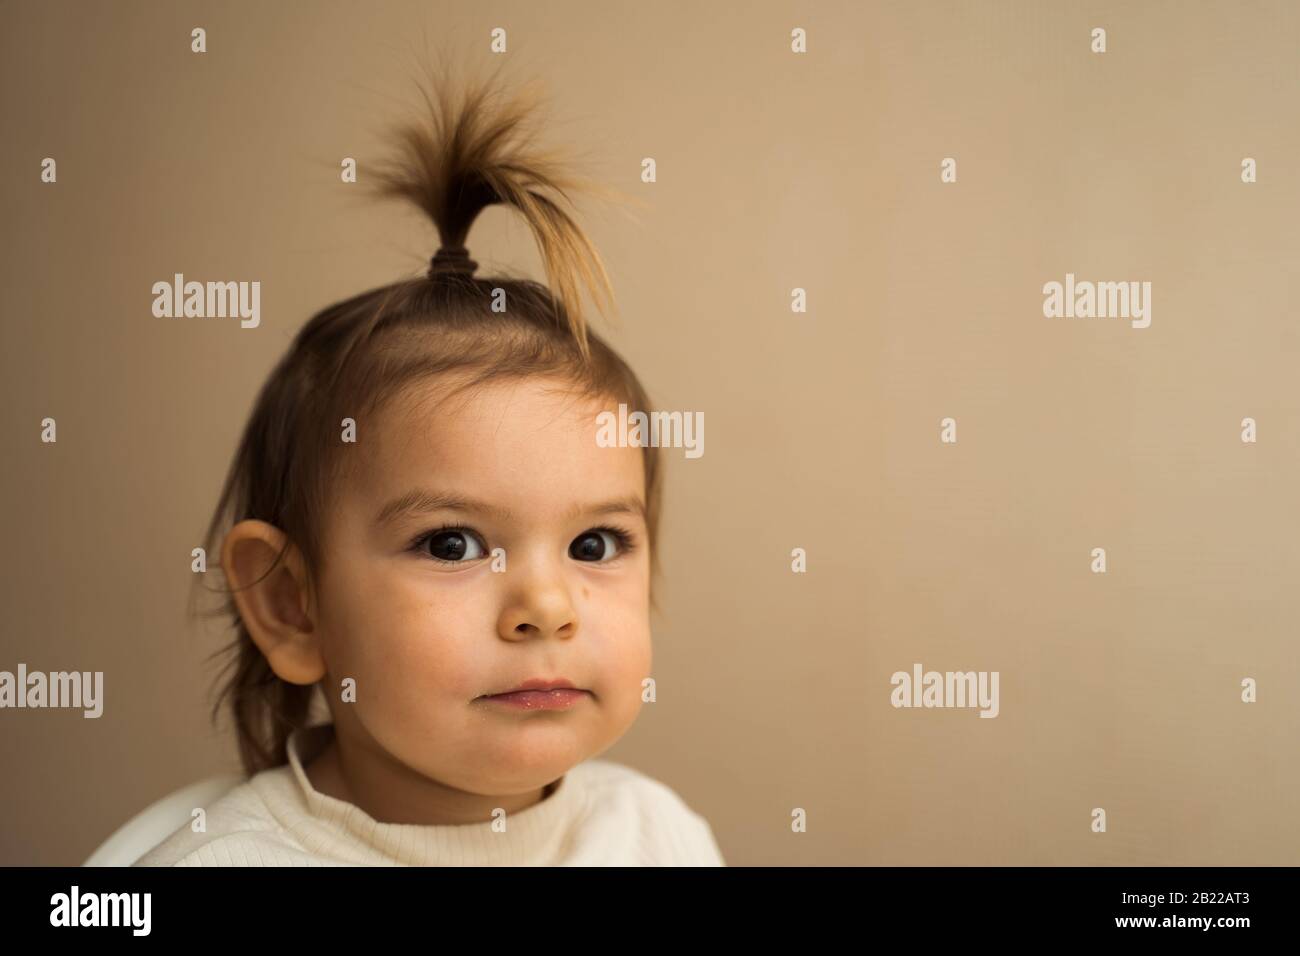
(540, 694)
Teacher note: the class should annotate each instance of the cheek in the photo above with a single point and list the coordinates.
(395, 629)
(618, 633)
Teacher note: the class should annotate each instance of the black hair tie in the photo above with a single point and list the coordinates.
(455, 259)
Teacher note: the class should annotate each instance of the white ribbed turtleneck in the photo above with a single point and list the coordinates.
(600, 814)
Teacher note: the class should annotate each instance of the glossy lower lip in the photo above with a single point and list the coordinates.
(539, 699)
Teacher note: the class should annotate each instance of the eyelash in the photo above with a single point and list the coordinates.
(626, 542)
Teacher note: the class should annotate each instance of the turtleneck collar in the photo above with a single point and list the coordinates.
(344, 832)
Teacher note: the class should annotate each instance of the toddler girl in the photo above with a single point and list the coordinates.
(430, 546)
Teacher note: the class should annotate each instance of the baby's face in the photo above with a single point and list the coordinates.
(428, 640)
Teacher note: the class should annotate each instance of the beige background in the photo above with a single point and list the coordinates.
(775, 171)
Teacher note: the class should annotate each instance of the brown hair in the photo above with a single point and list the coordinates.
(352, 357)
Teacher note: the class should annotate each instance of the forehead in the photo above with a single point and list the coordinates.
(525, 443)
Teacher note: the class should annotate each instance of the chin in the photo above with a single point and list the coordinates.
(519, 767)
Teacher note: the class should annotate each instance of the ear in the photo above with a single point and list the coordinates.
(274, 599)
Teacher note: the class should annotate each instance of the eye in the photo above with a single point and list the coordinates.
(600, 544)
(452, 545)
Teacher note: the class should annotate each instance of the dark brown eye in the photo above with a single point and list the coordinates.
(594, 546)
(454, 545)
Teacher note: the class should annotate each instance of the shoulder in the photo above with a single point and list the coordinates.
(672, 832)
(239, 829)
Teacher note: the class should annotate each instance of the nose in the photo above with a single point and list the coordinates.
(538, 604)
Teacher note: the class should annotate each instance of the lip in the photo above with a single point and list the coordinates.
(541, 683)
(540, 694)
(561, 699)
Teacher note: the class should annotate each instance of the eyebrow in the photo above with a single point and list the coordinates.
(421, 501)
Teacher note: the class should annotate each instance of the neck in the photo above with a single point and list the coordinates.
(390, 792)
